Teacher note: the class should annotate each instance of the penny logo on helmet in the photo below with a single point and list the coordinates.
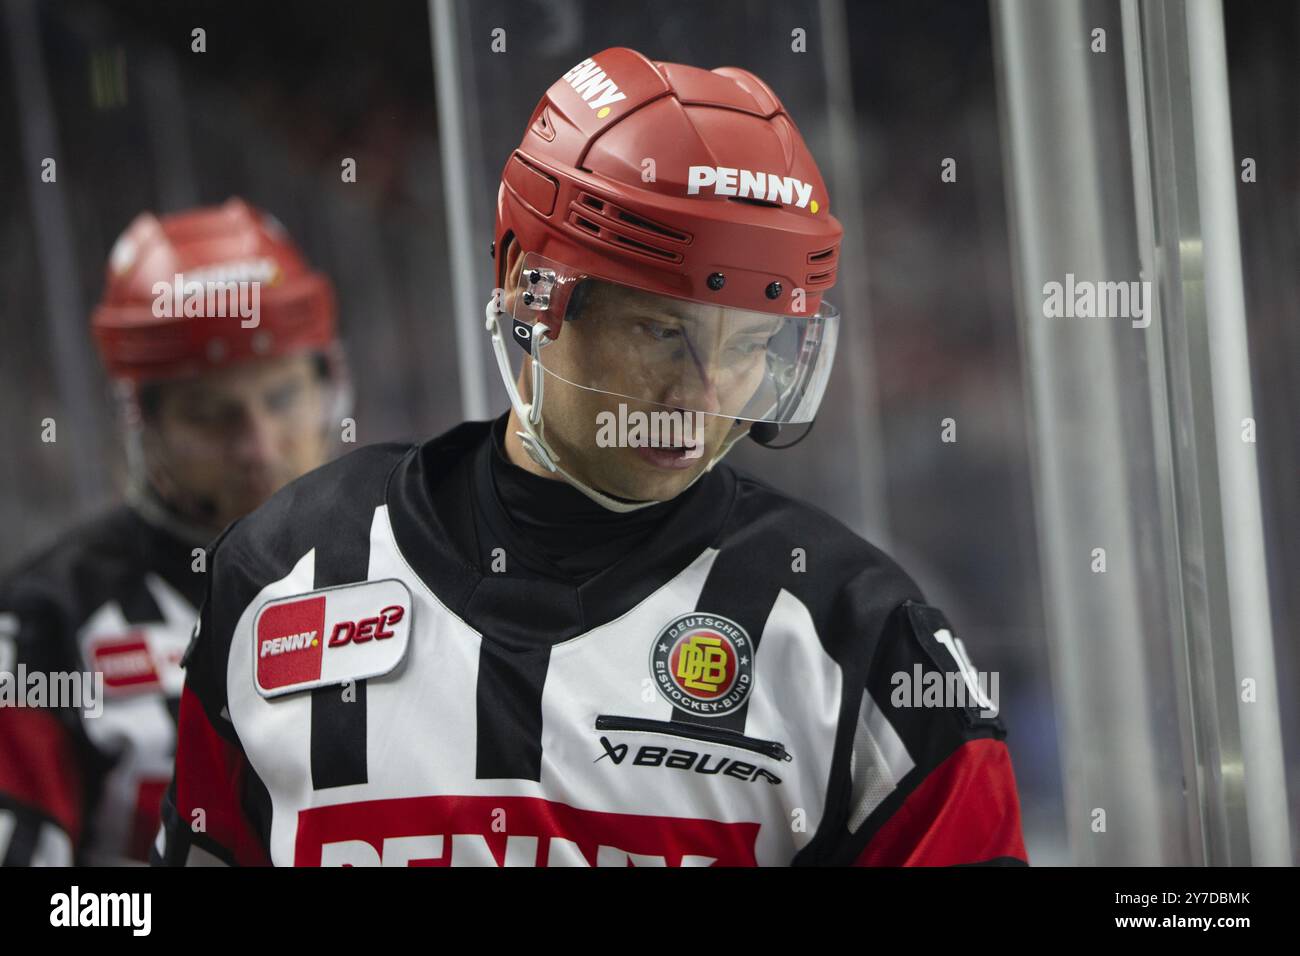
(596, 89)
(747, 184)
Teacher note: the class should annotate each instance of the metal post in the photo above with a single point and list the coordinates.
(65, 317)
(1245, 565)
(844, 165)
(1083, 491)
(468, 295)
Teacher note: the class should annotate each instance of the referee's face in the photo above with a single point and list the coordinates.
(676, 371)
(630, 354)
(220, 444)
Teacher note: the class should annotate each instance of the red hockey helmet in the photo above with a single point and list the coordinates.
(179, 288)
(693, 190)
(676, 180)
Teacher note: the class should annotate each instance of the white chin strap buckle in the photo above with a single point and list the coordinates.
(535, 451)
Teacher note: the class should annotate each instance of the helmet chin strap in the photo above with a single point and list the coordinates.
(533, 435)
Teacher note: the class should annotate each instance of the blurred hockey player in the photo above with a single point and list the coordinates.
(220, 342)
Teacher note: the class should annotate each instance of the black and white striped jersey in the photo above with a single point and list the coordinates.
(116, 597)
(384, 675)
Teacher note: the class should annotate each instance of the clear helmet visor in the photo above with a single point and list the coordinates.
(674, 353)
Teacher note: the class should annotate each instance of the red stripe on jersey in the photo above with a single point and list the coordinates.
(965, 811)
(511, 831)
(144, 823)
(38, 765)
(210, 773)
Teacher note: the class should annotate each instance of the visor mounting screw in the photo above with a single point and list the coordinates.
(534, 277)
(492, 249)
(528, 298)
(717, 281)
(773, 290)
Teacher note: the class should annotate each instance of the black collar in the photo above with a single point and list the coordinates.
(547, 524)
(447, 523)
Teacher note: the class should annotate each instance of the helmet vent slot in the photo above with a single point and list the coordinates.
(647, 250)
(625, 230)
(615, 212)
(543, 127)
(649, 226)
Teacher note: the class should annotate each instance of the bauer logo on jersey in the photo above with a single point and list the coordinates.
(703, 664)
(330, 636)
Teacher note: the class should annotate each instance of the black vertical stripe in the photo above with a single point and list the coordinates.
(509, 709)
(338, 737)
(174, 710)
(732, 590)
(338, 726)
(138, 606)
(176, 844)
(23, 837)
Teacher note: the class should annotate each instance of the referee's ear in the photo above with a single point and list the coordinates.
(514, 267)
(514, 264)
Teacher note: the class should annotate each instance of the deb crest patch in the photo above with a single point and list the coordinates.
(330, 636)
(703, 664)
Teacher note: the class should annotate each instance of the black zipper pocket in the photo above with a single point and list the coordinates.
(769, 748)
